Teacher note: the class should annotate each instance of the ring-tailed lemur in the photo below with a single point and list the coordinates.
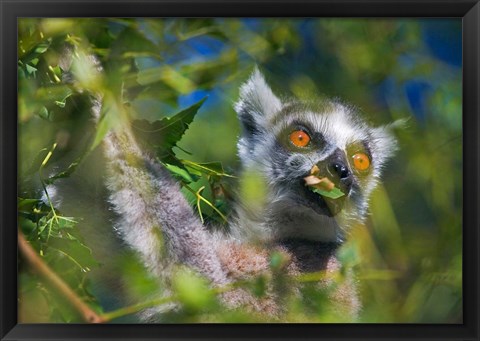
(285, 143)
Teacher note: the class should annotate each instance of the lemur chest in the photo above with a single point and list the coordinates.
(294, 221)
(241, 261)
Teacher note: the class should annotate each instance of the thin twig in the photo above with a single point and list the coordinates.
(106, 317)
(38, 265)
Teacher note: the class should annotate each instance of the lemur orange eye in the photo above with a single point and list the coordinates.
(361, 162)
(299, 138)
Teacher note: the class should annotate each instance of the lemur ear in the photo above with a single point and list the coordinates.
(257, 103)
(384, 144)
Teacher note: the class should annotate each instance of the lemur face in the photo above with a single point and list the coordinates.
(286, 139)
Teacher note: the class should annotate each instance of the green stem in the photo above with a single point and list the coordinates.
(136, 308)
(199, 198)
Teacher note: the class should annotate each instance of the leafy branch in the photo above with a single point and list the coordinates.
(182, 293)
(39, 266)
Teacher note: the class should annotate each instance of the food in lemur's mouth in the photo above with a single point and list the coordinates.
(322, 185)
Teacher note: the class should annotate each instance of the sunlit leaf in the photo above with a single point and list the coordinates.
(22, 203)
(192, 290)
(167, 75)
(179, 173)
(113, 117)
(335, 193)
(72, 167)
(73, 251)
(31, 69)
(132, 43)
(164, 134)
(208, 168)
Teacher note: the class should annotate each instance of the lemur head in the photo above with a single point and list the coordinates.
(285, 139)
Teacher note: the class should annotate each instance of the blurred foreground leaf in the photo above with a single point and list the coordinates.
(192, 290)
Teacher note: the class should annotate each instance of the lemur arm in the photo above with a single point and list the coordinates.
(155, 218)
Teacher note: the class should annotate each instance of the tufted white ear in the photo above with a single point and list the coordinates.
(383, 142)
(257, 103)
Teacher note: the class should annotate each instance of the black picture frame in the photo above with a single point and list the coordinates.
(468, 10)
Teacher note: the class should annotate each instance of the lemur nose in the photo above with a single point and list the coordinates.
(339, 169)
(336, 168)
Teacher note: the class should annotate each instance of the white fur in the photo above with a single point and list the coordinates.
(260, 97)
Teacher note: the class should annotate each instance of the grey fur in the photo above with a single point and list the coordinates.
(154, 213)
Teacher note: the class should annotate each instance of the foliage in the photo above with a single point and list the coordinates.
(407, 257)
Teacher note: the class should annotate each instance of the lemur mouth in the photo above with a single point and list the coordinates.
(323, 192)
(321, 205)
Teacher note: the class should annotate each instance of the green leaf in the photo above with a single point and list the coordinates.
(31, 69)
(103, 127)
(136, 280)
(192, 290)
(57, 71)
(277, 260)
(66, 223)
(44, 114)
(71, 168)
(260, 286)
(113, 117)
(86, 73)
(163, 135)
(35, 164)
(42, 48)
(167, 75)
(349, 254)
(209, 168)
(27, 203)
(64, 174)
(133, 43)
(73, 251)
(57, 94)
(179, 173)
(335, 193)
